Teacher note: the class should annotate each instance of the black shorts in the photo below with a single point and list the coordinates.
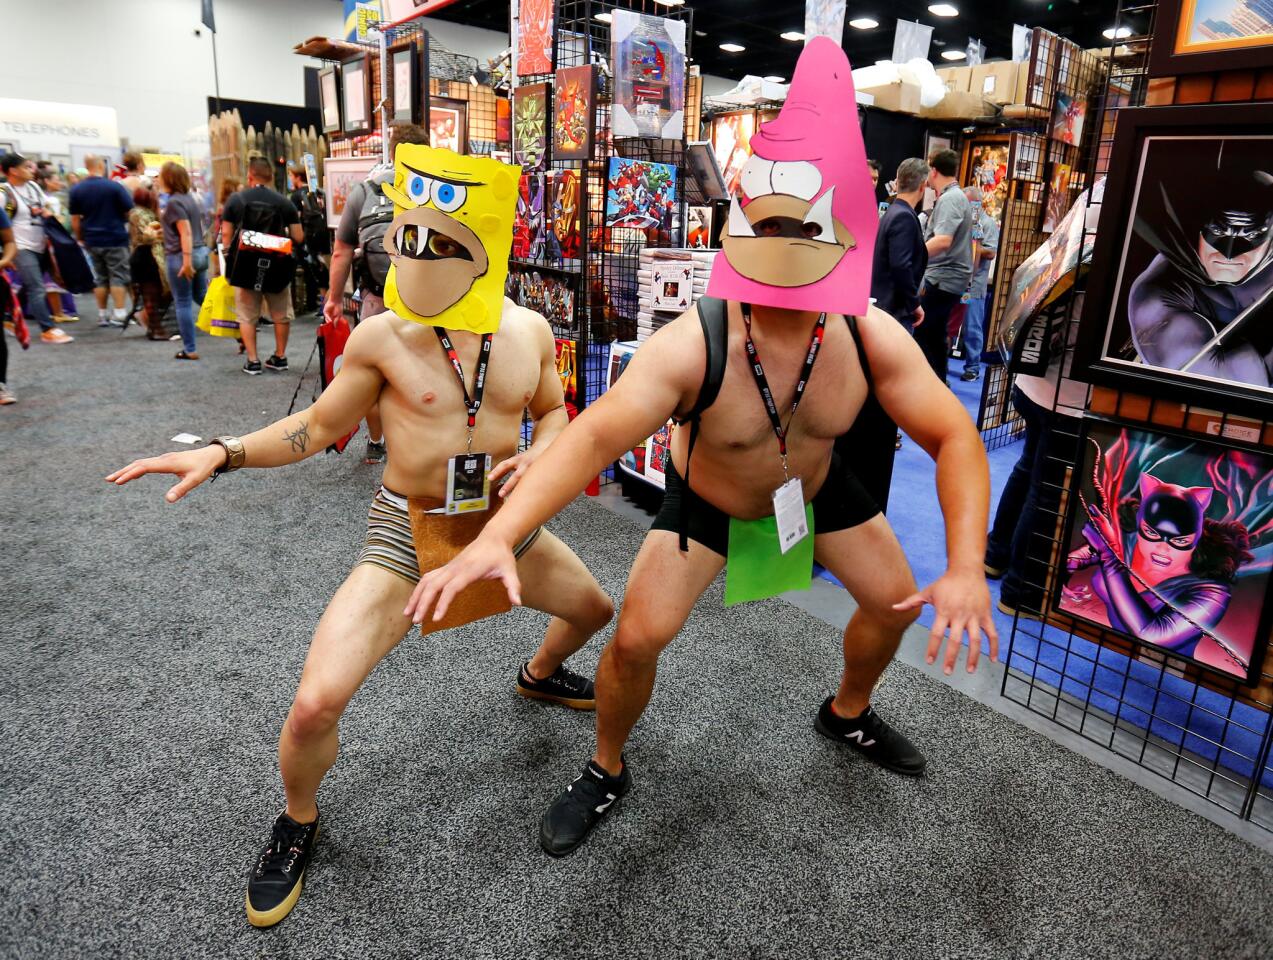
(841, 504)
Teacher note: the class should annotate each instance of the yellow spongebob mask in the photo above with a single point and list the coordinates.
(450, 238)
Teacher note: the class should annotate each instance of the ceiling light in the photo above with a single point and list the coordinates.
(603, 17)
(732, 47)
(775, 79)
(864, 23)
(700, 33)
(953, 54)
(1120, 33)
(671, 3)
(943, 10)
(795, 36)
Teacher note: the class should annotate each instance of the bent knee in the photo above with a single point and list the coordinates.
(600, 611)
(314, 714)
(637, 646)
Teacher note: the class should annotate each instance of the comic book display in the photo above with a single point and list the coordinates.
(564, 215)
(574, 112)
(649, 76)
(1170, 542)
(641, 194)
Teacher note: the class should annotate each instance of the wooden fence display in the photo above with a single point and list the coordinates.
(232, 146)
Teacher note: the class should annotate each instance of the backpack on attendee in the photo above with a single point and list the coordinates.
(371, 263)
(314, 222)
(261, 256)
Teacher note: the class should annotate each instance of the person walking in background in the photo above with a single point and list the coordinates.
(900, 254)
(229, 187)
(146, 262)
(8, 253)
(185, 255)
(973, 335)
(25, 205)
(948, 238)
(310, 207)
(99, 220)
(134, 173)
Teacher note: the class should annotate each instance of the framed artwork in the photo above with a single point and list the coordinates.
(985, 165)
(731, 140)
(1202, 36)
(567, 368)
(1169, 543)
(698, 228)
(531, 126)
(355, 78)
(504, 122)
(658, 454)
(404, 74)
(640, 194)
(1026, 153)
(621, 353)
(1067, 119)
(531, 233)
(1179, 300)
(649, 76)
(340, 176)
(564, 215)
(702, 167)
(449, 124)
(574, 112)
(934, 144)
(1057, 202)
(535, 38)
(329, 98)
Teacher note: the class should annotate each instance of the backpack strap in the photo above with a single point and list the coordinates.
(865, 361)
(714, 320)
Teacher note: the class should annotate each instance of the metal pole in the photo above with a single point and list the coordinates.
(216, 73)
(384, 96)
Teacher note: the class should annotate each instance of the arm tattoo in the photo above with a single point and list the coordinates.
(298, 438)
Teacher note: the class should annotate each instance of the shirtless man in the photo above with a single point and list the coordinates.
(403, 365)
(738, 464)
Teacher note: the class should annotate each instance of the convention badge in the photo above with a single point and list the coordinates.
(450, 238)
(468, 483)
(789, 514)
(756, 567)
(802, 224)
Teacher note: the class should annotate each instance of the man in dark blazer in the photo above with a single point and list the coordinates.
(900, 255)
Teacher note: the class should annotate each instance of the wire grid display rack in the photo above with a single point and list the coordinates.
(1058, 67)
(1201, 730)
(604, 275)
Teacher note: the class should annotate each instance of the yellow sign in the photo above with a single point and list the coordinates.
(154, 161)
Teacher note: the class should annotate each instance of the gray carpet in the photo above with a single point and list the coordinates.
(150, 653)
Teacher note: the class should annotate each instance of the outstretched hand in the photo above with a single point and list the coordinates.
(483, 559)
(961, 605)
(192, 466)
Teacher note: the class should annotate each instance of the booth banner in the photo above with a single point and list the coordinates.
(535, 38)
(43, 127)
(911, 41)
(649, 76)
(824, 18)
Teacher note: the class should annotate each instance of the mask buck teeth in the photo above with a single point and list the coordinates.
(820, 214)
(739, 225)
(422, 240)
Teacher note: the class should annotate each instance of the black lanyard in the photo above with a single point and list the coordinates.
(472, 403)
(762, 382)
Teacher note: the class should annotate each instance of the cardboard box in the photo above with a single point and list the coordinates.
(956, 79)
(996, 82)
(960, 106)
(899, 97)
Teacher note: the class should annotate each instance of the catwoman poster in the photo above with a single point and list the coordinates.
(1170, 543)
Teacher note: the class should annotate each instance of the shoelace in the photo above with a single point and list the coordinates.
(282, 852)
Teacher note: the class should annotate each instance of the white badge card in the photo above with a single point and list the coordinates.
(468, 483)
(789, 512)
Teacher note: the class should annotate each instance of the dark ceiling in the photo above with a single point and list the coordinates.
(756, 24)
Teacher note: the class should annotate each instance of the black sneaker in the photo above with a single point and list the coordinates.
(565, 687)
(969, 375)
(252, 368)
(275, 362)
(870, 736)
(275, 883)
(580, 807)
(375, 452)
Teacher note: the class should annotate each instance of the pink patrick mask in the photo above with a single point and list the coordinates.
(802, 234)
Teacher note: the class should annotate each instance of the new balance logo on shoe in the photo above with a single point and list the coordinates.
(859, 736)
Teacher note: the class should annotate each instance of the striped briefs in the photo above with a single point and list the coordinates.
(389, 541)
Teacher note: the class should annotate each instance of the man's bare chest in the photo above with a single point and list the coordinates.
(428, 383)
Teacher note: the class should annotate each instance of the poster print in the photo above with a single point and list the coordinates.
(1206, 35)
(567, 369)
(649, 76)
(535, 38)
(632, 461)
(698, 231)
(574, 112)
(1068, 118)
(328, 99)
(731, 139)
(640, 194)
(986, 166)
(530, 231)
(448, 124)
(1170, 542)
(1181, 292)
(530, 126)
(564, 188)
(548, 294)
(658, 455)
(504, 122)
(1058, 199)
(340, 176)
